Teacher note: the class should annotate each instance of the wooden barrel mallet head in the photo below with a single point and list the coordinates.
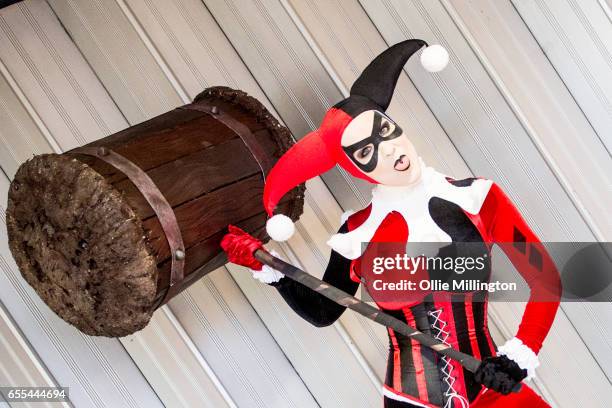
(108, 232)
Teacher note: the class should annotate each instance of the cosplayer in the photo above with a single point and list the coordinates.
(412, 202)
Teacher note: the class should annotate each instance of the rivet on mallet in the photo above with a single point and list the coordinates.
(179, 255)
(214, 110)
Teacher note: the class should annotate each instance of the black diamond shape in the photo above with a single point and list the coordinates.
(519, 240)
(535, 257)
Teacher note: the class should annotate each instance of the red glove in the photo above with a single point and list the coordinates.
(240, 246)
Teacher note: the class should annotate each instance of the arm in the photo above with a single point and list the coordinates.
(507, 228)
(312, 306)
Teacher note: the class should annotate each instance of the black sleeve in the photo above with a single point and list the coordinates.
(310, 305)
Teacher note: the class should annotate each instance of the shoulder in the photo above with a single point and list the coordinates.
(479, 186)
(487, 195)
(466, 182)
(471, 183)
(471, 191)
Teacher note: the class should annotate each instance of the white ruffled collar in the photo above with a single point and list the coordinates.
(412, 203)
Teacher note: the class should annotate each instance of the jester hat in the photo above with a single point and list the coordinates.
(320, 150)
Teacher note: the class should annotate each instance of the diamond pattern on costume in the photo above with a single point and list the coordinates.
(519, 240)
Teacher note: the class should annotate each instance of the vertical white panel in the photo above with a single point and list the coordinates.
(20, 364)
(193, 46)
(577, 38)
(19, 136)
(541, 101)
(185, 381)
(51, 73)
(130, 74)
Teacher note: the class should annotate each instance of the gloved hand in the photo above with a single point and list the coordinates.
(500, 374)
(240, 246)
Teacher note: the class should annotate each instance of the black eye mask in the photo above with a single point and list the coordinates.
(374, 139)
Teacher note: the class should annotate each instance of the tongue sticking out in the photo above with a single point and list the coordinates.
(402, 163)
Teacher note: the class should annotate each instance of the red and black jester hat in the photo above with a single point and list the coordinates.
(320, 150)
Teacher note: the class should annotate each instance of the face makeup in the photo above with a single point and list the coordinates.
(380, 149)
(364, 153)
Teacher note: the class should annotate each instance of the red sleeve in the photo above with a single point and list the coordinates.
(354, 221)
(507, 228)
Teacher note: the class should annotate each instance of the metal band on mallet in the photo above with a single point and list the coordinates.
(344, 299)
(159, 204)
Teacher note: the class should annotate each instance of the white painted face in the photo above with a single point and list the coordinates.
(380, 149)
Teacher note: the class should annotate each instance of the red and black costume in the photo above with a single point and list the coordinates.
(435, 209)
(417, 374)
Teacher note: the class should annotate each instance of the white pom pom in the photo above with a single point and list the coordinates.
(434, 58)
(280, 227)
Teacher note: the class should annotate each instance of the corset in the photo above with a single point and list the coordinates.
(419, 373)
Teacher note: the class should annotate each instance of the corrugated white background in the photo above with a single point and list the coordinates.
(526, 101)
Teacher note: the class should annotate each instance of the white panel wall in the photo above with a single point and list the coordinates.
(525, 101)
(576, 36)
(20, 364)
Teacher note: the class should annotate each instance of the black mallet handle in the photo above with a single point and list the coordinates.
(372, 313)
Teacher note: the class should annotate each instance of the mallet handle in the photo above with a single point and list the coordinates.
(372, 313)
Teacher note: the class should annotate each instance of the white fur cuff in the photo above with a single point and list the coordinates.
(267, 274)
(515, 350)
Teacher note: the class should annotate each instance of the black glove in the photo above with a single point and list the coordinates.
(500, 374)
